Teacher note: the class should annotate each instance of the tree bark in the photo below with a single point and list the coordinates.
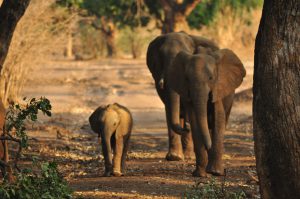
(70, 45)
(11, 12)
(276, 100)
(108, 30)
(175, 13)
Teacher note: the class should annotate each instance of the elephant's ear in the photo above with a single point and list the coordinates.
(176, 78)
(230, 74)
(154, 61)
(94, 119)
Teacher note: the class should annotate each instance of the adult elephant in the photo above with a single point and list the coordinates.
(206, 83)
(160, 56)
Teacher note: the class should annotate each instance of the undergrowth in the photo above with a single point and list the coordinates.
(45, 183)
(42, 180)
(211, 190)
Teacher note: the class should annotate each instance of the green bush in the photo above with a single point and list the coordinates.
(211, 190)
(43, 181)
(45, 184)
(91, 43)
(133, 41)
(206, 11)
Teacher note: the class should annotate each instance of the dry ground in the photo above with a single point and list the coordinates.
(77, 88)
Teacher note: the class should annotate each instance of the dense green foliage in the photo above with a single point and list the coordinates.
(121, 12)
(45, 184)
(211, 190)
(70, 3)
(206, 11)
(131, 13)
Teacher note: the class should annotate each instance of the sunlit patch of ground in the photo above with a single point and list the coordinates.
(77, 88)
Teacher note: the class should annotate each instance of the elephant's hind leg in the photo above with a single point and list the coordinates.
(187, 145)
(118, 155)
(124, 154)
(186, 139)
(107, 153)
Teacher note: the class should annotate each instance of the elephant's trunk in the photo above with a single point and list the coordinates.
(174, 100)
(199, 99)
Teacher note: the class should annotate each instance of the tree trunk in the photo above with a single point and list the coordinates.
(11, 12)
(70, 45)
(108, 30)
(110, 43)
(276, 100)
(175, 13)
(174, 22)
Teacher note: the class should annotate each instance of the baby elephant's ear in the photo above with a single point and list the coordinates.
(230, 74)
(94, 120)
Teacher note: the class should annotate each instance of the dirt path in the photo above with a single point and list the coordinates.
(77, 88)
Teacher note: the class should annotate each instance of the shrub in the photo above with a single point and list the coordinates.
(211, 190)
(43, 181)
(46, 183)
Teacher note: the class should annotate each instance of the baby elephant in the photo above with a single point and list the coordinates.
(113, 123)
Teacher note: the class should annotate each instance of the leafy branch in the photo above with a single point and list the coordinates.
(14, 128)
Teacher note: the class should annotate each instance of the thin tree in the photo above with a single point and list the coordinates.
(276, 103)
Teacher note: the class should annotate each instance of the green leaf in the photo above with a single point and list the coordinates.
(48, 113)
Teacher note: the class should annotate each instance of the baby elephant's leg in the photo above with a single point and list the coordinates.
(106, 149)
(118, 151)
(124, 154)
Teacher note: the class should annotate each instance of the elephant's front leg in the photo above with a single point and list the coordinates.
(215, 163)
(118, 151)
(175, 152)
(199, 148)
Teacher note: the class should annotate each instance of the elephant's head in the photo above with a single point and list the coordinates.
(195, 76)
(105, 119)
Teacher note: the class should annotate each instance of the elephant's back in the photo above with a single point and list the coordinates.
(125, 114)
(179, 41)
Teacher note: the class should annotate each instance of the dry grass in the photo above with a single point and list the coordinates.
(37, 37)
(229, 30)
(234, 31)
